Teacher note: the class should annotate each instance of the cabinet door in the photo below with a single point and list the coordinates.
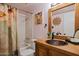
(41, 51)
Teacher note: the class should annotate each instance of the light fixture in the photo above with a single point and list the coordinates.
(54, 4)
(2, 14)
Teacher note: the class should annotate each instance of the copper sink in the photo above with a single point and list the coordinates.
(57, 42)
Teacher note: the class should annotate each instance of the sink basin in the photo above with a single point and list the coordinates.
(56, 42)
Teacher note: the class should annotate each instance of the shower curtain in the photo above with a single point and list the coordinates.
(8, 29)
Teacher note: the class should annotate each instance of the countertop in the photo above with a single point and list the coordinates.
(70, 48)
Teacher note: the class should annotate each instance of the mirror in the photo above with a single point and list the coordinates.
(63, 21)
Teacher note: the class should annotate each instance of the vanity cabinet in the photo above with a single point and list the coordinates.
(60, 37)
(43, 50)
(53, 52)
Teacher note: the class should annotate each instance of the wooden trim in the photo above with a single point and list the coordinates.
(49, 21)
(60, 6)
(57, 7)
(76, 16)
(63, 12)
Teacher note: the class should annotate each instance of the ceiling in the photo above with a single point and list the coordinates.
(28, 7)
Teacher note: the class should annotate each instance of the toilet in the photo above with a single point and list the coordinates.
(28, 49)
(27, 52)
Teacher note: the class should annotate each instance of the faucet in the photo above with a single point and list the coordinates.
(52, 35)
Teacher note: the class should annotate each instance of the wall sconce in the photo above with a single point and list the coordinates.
(2, 14)
(54, 4)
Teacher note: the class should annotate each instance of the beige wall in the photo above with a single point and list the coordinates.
(39, 31)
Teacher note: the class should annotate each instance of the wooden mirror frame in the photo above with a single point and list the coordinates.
(60, 6)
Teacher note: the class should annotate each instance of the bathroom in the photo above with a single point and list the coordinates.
(26, 29)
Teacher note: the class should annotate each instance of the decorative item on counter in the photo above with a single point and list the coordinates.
(58, 33)
(49, 34)
(56, 21)
(38, 18)
(64, 34)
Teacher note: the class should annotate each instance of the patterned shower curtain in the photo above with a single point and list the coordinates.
(8, 34)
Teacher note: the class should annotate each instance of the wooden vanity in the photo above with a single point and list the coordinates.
(45, 49)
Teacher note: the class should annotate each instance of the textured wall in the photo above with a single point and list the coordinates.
(39, 31)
